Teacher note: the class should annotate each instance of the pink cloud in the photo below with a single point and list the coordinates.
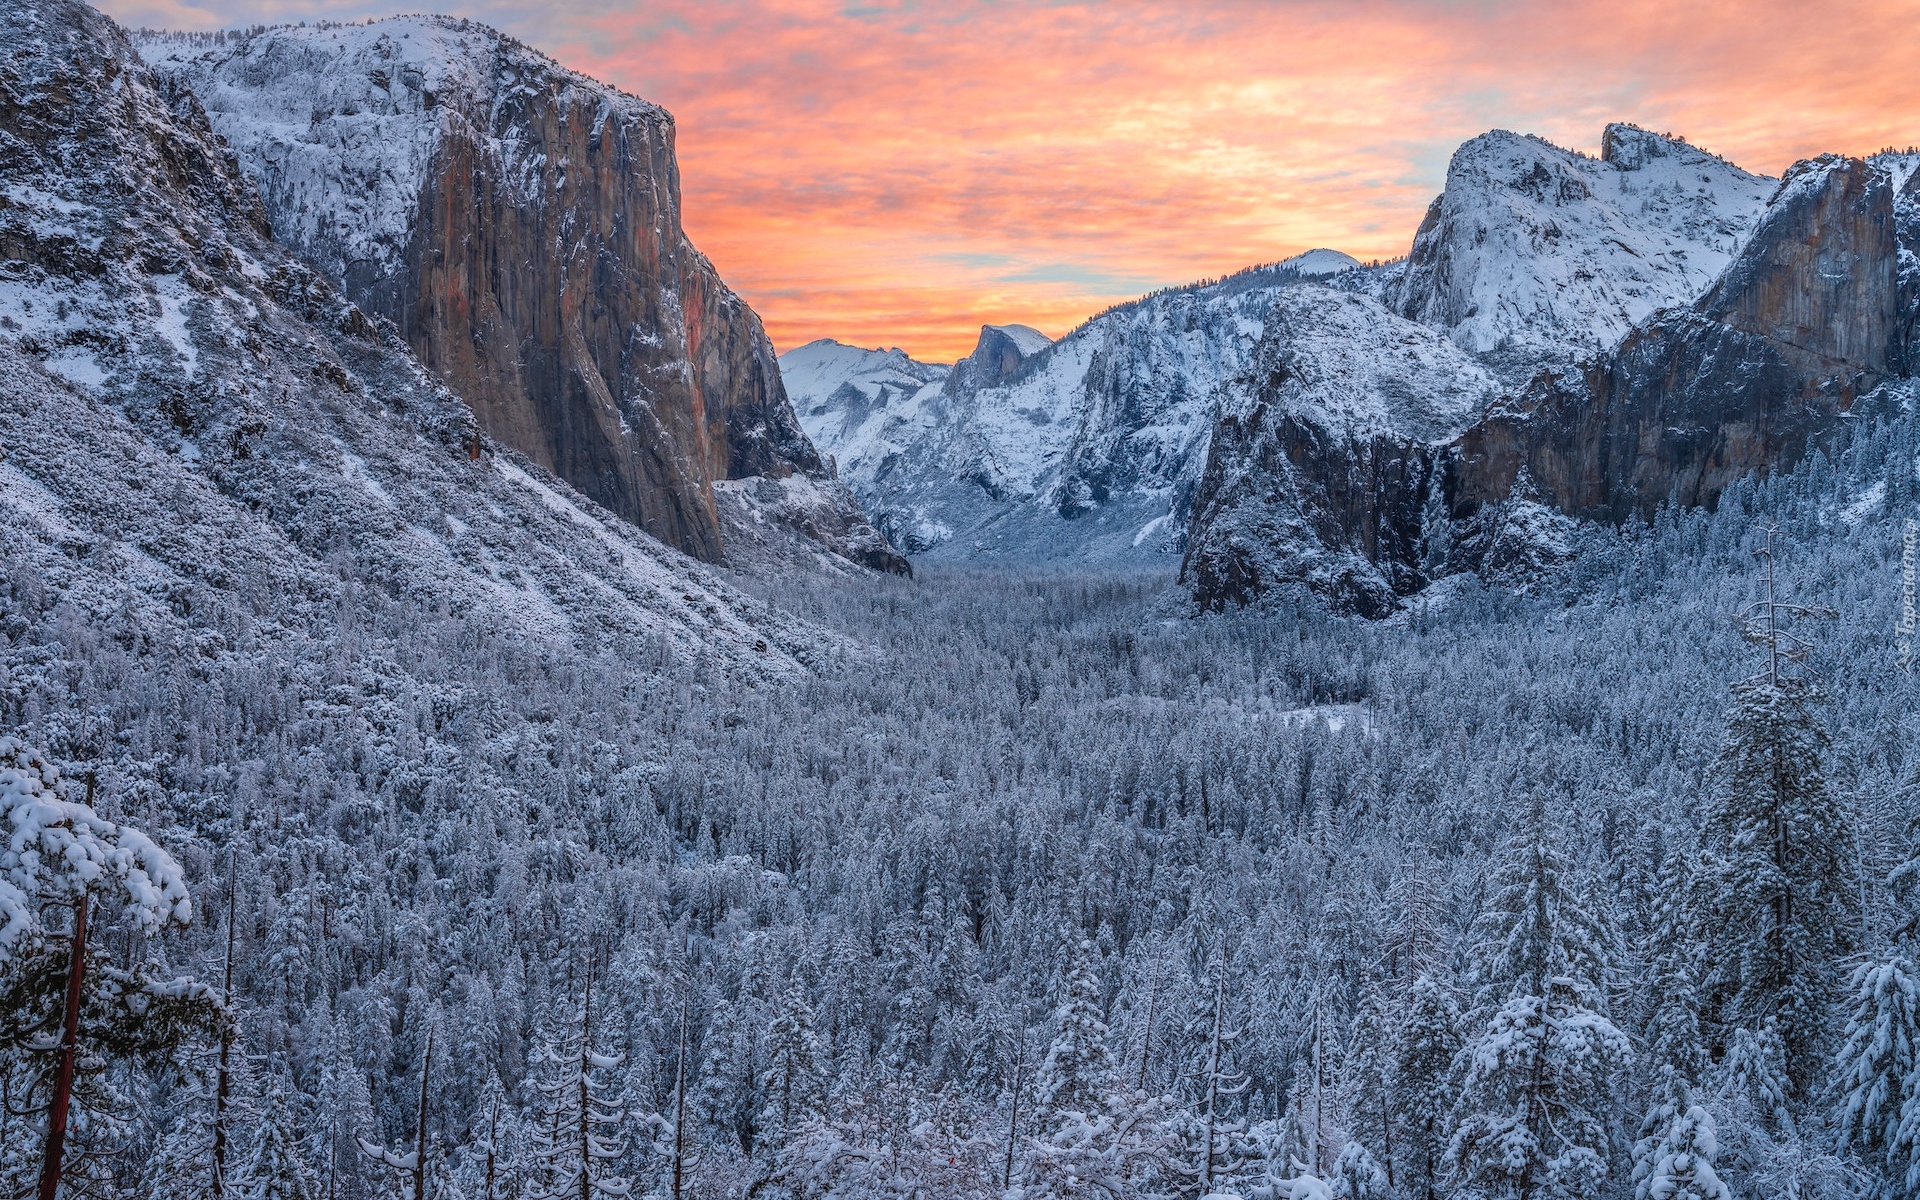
(898, 173)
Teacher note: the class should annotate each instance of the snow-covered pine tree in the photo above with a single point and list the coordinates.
(1878, 1075)
(1215, 1080)
(578, 1131)
(792, 1087)
(1077, 1074)
(1357, 1176)
(1673, 1160)
(273, 1167)
(1537, 1094)
(1097, 1137)
(1779, 888)
(1368, 1083)
(1423, 1094)
(67, 1024)
(1672, 1035)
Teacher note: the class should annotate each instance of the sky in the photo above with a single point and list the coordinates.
(894, 173)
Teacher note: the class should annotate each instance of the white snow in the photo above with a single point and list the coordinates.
(1316, 264)
(1350, 366)
(1541, 253)
(1030, 340)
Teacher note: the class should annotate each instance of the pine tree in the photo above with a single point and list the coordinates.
(577, 1133)
(1356, 1176)
(1777, 894)
(1536, 1099)
(1077, 1075)
(1673, 1160)
(1423, 1092)
(274, 1168)
(1878, 1074)
(791, 1087)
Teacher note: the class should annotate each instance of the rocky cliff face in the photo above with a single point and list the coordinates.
(192, 421)
(1326, 456)
(520, 226)
(1805, 320)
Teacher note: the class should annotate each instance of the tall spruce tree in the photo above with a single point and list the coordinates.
(1778, 887)
(1537, 1097)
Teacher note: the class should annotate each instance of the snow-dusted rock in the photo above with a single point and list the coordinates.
(520, 224)
(1322, 465)
(1536, 256)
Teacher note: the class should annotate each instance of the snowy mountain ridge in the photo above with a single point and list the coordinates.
(1536, 255)
(1104, 430)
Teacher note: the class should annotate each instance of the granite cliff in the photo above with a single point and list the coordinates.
(520, 226)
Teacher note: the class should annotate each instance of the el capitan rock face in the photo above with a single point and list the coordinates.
(520, 225)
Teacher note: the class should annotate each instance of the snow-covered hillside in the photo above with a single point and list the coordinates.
(1088, 447)
(190, 415)
(1537, 255)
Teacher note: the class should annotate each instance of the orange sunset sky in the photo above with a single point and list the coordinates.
(896, 174)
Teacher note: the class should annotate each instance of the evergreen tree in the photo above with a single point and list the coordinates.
(1537, 1093)
(1077, 1074)
(273, 1167)
(1673, 1160)
(792, 1089)
(1423, 1093)
(1356, 1176)
(1878, 1075)
(1779, 887)
(578, 1130)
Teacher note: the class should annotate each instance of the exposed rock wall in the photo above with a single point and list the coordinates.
(1803, 322)
(521, 225)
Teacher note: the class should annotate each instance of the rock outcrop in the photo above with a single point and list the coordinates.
(520, 225)
(1815, 310)
(1325, 457)
(1803, 322)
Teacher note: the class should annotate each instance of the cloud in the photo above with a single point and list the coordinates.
(898, 172)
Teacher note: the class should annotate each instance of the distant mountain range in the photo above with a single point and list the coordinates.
(499, 243)
(1569, 338)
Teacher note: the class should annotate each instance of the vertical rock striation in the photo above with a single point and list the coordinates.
(520, 225)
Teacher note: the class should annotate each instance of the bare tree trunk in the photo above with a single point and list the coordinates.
(223, 1089)
(680, 1100)
(420, 1138)
(586, 1100)
(69, 1046)
(1013, 1116)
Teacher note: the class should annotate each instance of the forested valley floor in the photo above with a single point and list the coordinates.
(1030, 880)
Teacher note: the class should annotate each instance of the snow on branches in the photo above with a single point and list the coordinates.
(59, 849)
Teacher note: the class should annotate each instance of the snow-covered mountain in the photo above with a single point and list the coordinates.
(1088, 447)
(1322, 453)
(520, 225)
(199, 430)
(1402, 483)
(1535, 255)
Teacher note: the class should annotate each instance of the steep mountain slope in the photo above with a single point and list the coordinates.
(1816, 311)
(520, 225)
(193, 423)
(1088, 447)
(1321, 464)
(1535, 255)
